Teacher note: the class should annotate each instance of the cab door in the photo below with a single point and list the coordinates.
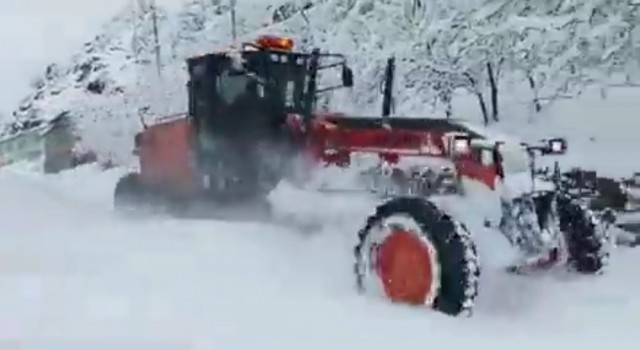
(478, 165)
(487, 170)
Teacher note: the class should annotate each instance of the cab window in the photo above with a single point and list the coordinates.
(231, 87)
(514, 159)
(486, 157)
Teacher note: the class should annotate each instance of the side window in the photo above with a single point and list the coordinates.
(199, 85)
(289, 94)
(476, 155)
(232, 86)
(260, 90)
(200, 71)
(486, 157)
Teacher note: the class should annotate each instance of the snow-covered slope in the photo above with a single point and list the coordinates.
(114, 75)
(48, 32)
(51, 29)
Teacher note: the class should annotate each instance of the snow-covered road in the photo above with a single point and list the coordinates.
(73, 275)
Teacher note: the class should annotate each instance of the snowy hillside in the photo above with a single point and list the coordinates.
(48, 32)
(113, 74)
(442, 47)
(76, 276)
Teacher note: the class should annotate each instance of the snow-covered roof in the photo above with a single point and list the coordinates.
(491, 135)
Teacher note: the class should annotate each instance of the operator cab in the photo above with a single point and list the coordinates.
(251, 92)
(239, 102)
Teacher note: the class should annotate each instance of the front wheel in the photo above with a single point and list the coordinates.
(587, 238)
(410, 252)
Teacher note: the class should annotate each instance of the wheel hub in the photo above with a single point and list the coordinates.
(405, 267)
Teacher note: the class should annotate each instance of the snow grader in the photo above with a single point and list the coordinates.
(253, 122)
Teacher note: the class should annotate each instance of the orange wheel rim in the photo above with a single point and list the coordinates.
(405, 268)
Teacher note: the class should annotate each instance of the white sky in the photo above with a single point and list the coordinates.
(33, 33)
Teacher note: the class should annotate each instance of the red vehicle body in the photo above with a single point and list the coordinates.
(168, 149)
(166, 152)
(336, 138)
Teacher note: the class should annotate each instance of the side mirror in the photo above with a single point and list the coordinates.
(556, 146)
(143, 110)
(347, 76)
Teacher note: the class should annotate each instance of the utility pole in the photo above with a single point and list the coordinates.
(234, 34)
(136, 11)
(154, 17)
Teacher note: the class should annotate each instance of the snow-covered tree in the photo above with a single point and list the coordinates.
(556, 47)
(460, 53)
(552, 47)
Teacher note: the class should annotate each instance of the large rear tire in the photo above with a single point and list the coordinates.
(410, 252)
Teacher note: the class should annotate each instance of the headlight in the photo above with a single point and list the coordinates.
(623, 188)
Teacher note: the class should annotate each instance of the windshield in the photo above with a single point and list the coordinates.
(514, 159)
(232, 86)
(289, 80)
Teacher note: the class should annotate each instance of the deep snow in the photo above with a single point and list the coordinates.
(75, 275)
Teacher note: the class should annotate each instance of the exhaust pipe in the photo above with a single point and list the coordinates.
(387, 94)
